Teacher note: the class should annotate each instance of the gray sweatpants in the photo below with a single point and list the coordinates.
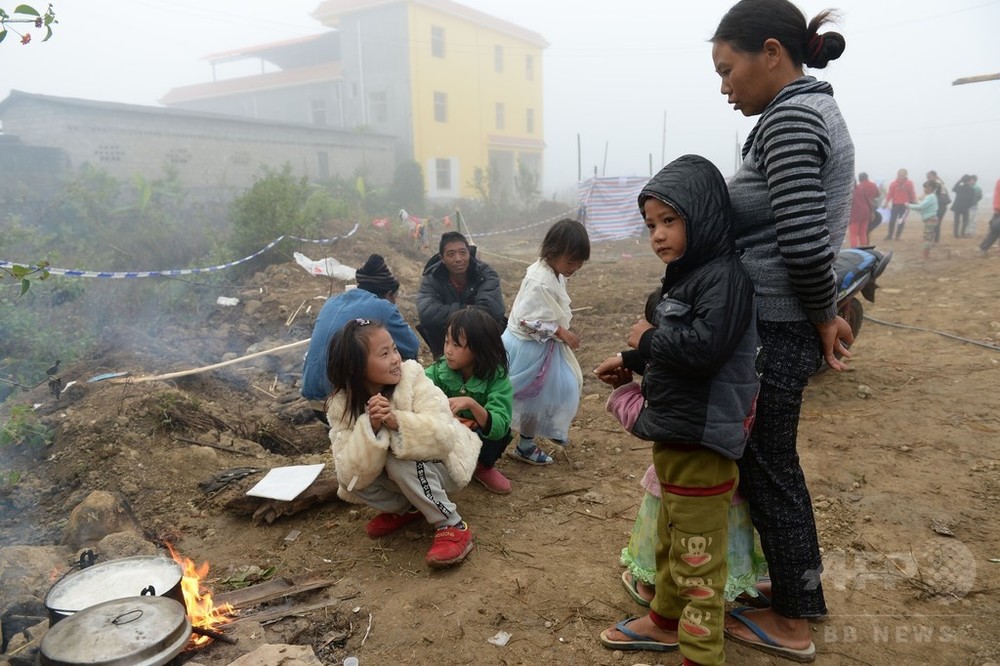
(423, 484)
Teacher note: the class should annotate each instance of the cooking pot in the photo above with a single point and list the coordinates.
(116, 579)
(135, 631)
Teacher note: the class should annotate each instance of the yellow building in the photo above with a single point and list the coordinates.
(459, 90)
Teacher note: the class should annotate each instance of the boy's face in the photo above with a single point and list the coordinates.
(667, 231)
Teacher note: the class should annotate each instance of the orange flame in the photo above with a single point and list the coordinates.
(201, 608)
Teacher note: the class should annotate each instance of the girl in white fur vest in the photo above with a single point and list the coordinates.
(396, 445)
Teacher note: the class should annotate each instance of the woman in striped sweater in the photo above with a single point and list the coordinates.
(791, 203)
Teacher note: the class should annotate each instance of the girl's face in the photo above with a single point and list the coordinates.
(667, 231)
(383, 368)
(564, 265)
(744, 78)
(458, 356)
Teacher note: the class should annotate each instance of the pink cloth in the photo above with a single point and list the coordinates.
(625, 403)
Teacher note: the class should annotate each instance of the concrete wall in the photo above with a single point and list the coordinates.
(207, 151)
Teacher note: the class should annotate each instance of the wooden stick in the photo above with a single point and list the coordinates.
(215, 635)
(195, 371)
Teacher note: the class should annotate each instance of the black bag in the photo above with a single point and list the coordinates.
(874, 221)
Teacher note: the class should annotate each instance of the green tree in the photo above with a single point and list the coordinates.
(407, 189)
(280, 204)
(526, 182)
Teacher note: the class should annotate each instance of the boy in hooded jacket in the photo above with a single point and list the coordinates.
(699, 389)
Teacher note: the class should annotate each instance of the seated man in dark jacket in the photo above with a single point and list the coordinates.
(453, 279)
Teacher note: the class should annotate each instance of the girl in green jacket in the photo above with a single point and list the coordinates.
(473, 374)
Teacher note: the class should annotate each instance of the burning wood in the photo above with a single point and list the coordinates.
(205, 616)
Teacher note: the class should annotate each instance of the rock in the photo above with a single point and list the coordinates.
(251, 307)
(864, 391)
(101, 514)
(30, 568)
(123, 544)
(286, 655)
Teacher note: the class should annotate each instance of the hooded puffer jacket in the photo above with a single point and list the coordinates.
(701, 383)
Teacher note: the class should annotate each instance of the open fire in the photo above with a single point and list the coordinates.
(201, 609)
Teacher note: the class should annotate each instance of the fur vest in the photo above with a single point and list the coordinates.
(427, 431)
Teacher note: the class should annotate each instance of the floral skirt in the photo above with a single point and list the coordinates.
(746, 561)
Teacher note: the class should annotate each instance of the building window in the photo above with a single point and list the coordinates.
(529, 121)
(178, 156)
(441, 107)
(442, 170)
(529, 67)
(317, 111)
(498, 58)
(109, 153)
(500, 118)
(378, 106)
(323, 159)
(437, 41)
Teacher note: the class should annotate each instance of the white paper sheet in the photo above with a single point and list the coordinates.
(286, 483)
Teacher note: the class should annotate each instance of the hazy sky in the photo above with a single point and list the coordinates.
(613, 70)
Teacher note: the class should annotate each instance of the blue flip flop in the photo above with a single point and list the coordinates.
(766, 643)
(636, 641)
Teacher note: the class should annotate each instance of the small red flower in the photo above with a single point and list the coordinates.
(25, 38)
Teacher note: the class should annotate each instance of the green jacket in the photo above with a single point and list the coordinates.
(495, 394)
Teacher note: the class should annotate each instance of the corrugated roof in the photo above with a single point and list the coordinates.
(332, 9)
(260, 49)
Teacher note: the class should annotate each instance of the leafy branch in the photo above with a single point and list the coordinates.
(25, 273)
(27, 14)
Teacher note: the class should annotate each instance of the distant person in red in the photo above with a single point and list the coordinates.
(900, 193)
(862, 208)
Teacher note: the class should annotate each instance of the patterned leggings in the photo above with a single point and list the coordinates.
(771, 477)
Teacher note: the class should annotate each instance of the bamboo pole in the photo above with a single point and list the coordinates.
(195, 371)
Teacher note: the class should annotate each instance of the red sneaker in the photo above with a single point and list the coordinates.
(494, 481)
(387, 523)
(451, 545)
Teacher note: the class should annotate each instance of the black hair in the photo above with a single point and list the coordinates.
(750, 23)
(482, 337)
(347, 363)
(649, 312)
(451, 237)
(566, 238)
(862, 177)
(931, 185)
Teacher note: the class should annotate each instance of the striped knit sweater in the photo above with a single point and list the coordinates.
(792, 200)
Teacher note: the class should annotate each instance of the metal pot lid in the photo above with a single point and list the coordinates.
(138, 631)
(115, 579)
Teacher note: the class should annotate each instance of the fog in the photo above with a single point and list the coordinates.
(633, 78)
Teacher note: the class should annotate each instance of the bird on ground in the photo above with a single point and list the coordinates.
(53, 369)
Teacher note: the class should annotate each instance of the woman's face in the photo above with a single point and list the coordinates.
(745, 78)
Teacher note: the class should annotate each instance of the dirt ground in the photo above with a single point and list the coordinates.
(902, 454)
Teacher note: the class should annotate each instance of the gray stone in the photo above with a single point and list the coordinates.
(286, 655)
